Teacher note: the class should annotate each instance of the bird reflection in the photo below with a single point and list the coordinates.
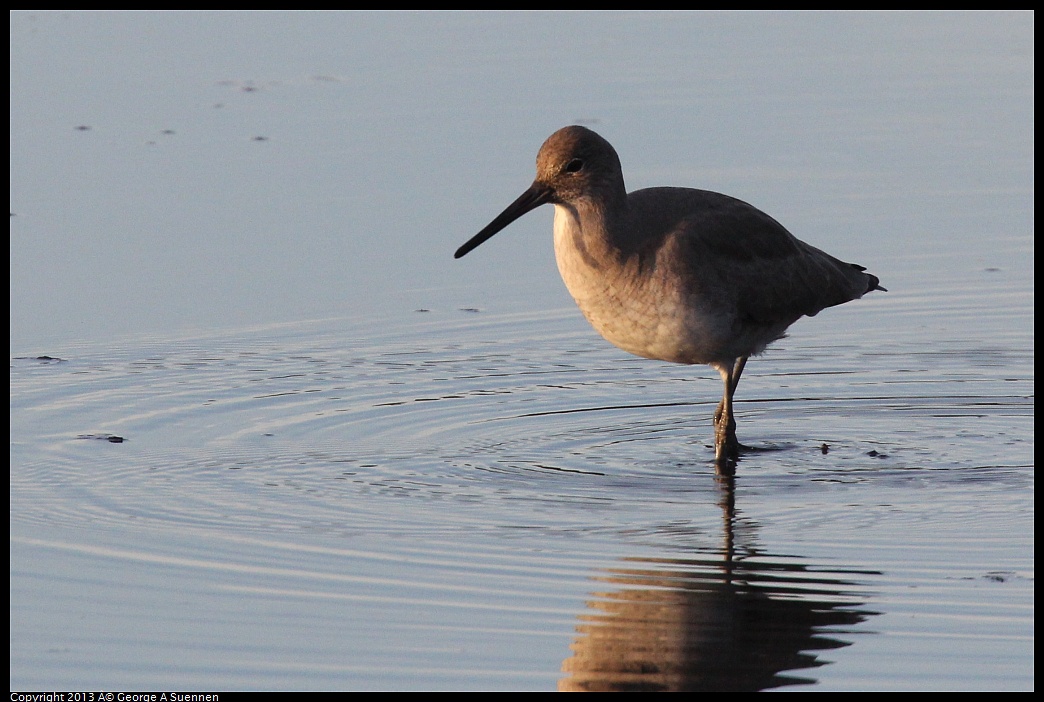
(719, 622)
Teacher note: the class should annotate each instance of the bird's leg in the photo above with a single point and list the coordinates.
(726, 446)
(737, 371)
(731, 383)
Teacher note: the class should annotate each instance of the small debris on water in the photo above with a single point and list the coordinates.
(111, 438)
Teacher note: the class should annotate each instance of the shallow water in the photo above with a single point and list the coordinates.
(207, 492)
(472, 502)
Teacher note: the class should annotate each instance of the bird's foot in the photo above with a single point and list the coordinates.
(728, 449)
(726, 446)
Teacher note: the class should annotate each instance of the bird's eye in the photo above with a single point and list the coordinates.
(574, 166)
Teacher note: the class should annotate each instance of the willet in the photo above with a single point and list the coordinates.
(676, 274)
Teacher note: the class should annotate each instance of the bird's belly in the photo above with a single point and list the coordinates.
(642, 314)
(630, 329)
(647, 327)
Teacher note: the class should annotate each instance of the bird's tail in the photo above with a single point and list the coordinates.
(872, 282)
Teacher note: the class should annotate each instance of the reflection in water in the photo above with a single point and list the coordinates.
(717, 623)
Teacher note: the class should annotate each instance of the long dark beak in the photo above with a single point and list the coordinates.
(537, 195)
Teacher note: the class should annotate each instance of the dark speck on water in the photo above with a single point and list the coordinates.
(111, 438)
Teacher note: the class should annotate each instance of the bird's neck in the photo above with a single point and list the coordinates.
(596, 233)
(591, 252)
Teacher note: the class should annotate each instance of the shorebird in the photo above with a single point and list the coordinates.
(676, 274)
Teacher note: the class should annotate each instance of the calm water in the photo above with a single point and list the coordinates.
(445, 479)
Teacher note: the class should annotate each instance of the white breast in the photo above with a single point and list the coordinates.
(639, 312)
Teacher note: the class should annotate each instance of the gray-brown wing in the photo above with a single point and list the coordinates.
(734, 252)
